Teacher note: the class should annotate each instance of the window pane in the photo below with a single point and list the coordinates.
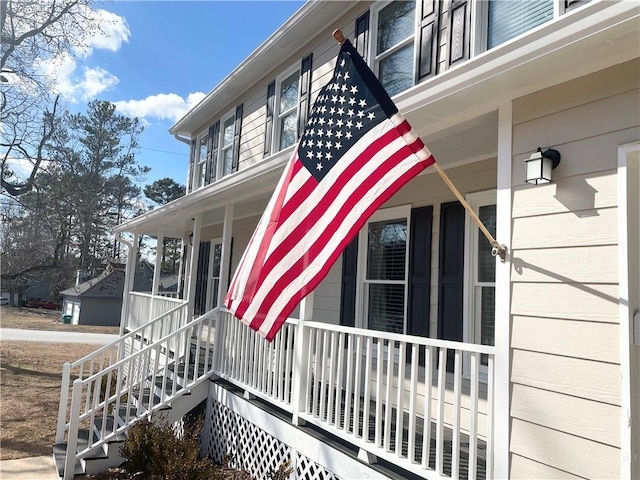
(288, 130)
(289, 93)
(387, 250)
(202, 149)
(386, 308)
(227, 161)
(486, 261)
(217, 256)
(396, 71)
(202, 170)
(396, 22)
(229, 131)
(508, 19)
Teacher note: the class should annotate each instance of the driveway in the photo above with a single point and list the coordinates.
(14, 334)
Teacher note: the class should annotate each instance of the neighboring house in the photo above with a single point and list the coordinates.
(421, 355)
(98, 301)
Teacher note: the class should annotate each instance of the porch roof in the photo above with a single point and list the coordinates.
(454, 112)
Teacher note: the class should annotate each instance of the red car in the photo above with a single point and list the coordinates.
(46, 304)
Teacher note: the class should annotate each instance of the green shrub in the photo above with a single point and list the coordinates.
(156, 451)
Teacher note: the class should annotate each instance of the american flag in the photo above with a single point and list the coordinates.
(356, 151)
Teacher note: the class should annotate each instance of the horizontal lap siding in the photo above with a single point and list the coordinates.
(565, 370)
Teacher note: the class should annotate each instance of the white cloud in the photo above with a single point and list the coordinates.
(77, 84)
(112, 33)
(82, 83)
(164, 106)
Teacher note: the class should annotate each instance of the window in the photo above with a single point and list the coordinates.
(227, 133)
(481, 273)
(384, 254)
(201, 161)
(287, 100)
(505, 20)
(393, 57)
(214, 273)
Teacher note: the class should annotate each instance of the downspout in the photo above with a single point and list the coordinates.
(186, 140)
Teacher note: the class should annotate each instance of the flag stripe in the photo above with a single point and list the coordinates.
(329, 222)
(272, 323)
(363, 166)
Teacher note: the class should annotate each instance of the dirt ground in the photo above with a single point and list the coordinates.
(39, 319)
(30, 375)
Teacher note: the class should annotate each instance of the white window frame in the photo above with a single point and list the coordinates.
(277, 114)
(200, 164)
(211, 299)
(374, 59)
(219, 173)
(470, 306)
(403, 211)
(480, 25)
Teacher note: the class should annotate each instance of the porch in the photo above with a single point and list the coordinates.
(420, 405)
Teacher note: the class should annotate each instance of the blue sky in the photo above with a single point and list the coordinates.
(158, 58)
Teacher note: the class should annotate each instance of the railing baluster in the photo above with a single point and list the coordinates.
(442, 371)
(413, 385)
(473, 416)
(428, 388)
(64, 398)
(387, 409)
(457, 406)
(379, 402)
(324, 390)
(400, 398)
(339, 379)
(332, 388)
(367, 390)
(357, 378)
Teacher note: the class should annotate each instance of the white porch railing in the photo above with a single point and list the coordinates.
(423, 404)
(144, 306)
(115, 397)
(107, 355)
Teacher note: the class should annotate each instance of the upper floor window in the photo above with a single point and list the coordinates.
(393, 58)
(508, 19)
(227, 133)
(202, 148)
(288, 93)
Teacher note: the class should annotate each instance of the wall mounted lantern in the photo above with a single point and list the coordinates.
(538, 167)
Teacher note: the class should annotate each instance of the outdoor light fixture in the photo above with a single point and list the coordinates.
(191, 238)
(539, 165)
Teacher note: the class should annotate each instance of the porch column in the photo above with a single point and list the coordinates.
(193, 263)
(225, 260)
(129, 276)
(502, 433)
(158, 264)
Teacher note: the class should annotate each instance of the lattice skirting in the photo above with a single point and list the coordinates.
(245, 446)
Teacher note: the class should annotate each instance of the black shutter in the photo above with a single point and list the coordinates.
(348, 292)
(212, 153)
(362, 35)
(428, 38)
(459, 41)
(451, 271)
(202, 275)
(236, 138)
(268, 122)
(419, 271)
(305, 92)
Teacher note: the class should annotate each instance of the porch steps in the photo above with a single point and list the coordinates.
(108, 455)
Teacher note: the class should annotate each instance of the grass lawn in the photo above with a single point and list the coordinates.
(30, 375)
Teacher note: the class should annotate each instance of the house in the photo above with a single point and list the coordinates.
(98, 301)
(420, 355)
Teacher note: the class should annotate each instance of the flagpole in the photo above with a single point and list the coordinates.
(496, 248)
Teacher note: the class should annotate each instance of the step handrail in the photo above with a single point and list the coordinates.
(119, 343)
(151, 366)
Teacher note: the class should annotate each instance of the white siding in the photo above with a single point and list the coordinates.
(566, 389)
